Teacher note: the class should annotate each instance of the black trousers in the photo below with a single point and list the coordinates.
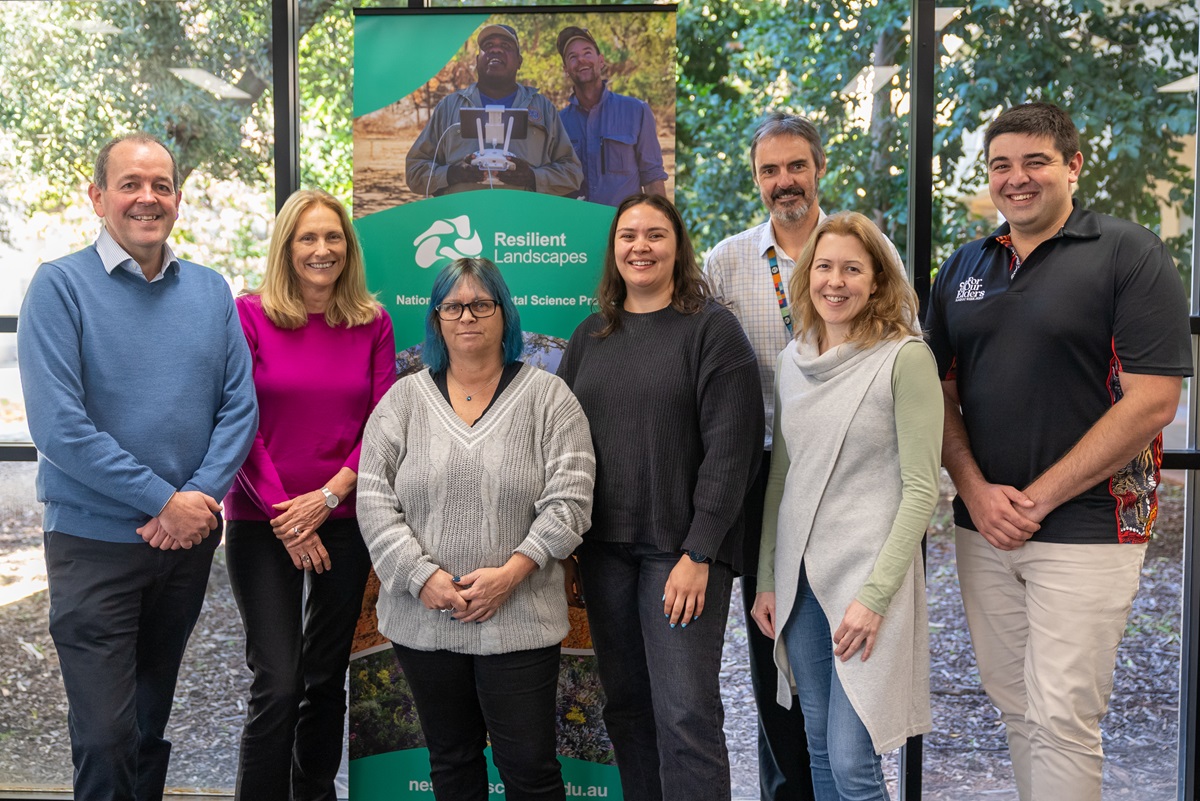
(783, 770)
(297, 648)
(120, 616)
(463, 699)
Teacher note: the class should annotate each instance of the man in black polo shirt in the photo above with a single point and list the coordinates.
(1062, 340)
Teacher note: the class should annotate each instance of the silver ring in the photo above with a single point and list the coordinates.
(306, 558)
(296, 530)
(443, 611)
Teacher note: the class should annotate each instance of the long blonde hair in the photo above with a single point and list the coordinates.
(351, 303)
(890, 313)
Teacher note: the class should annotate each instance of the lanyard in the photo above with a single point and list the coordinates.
(779, 294)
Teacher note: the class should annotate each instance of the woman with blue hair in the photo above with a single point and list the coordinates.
(476, 480)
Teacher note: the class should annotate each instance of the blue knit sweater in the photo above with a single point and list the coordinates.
(133, 390)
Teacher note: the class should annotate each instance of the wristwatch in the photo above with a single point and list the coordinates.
(331, 500)
(697, 557)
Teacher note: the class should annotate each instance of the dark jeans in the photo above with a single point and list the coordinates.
(298, 648)
(663, 708)
(120, 616)
(783, 770)
(462, 699)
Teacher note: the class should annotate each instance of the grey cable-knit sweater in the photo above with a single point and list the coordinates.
(434, 492)
(676, 417)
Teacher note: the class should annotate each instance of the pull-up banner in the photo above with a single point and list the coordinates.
(444, 170)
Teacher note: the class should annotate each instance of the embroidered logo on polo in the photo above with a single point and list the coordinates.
(971, 289)
(447, 239)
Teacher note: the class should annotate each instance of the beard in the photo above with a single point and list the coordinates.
(794, 212)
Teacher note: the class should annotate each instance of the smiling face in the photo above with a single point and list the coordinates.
(1030, 183)
(644, 248)
(318, 248)
(471, 337)
(498, 61)
(139, 202)
(582, 62)
(841, 282)
(787, 177)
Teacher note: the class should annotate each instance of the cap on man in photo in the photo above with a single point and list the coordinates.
(570, 34)
(498, 30)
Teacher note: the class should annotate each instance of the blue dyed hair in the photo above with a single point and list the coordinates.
(434, 354)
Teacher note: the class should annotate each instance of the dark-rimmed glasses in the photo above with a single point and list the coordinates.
(453, 311)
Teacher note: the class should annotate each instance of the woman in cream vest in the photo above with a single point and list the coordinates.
(854, 480)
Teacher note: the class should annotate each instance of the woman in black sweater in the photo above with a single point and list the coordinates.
(669, 384)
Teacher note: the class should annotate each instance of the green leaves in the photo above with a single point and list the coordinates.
(1103, 63)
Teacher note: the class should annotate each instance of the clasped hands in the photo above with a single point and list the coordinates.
(476, 596)
(1005, 516)
(186, 520)
(296, 527)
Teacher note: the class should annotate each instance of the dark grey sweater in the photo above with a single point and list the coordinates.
(676, 417)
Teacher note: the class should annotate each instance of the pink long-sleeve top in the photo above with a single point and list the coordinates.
(316, 386)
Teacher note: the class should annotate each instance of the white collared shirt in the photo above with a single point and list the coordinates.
(113, 256)
(738, 272)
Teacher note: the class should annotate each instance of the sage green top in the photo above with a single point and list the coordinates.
(918, 409)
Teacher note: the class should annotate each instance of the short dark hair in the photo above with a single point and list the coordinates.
(1036, 119)
(100, 173)
(690, 291)
(434, 354)
(779, 123)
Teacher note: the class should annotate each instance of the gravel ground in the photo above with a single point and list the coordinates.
(964, 759)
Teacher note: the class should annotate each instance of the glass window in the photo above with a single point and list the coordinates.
(1122, 71)
(73, 74)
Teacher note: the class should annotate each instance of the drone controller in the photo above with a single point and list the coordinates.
(493, 158)
(495, 127)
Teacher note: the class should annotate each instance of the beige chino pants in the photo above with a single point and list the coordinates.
(1045, 621)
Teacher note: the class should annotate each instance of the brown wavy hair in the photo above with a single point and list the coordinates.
(689, 292)
(890, 313)
(351, 303)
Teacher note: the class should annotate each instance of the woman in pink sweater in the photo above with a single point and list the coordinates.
(323, 356)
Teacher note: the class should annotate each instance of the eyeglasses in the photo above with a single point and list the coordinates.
(453, 311)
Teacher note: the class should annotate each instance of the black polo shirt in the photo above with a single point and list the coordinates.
(1036, 352)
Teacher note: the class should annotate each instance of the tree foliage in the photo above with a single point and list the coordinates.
(741, 58)
(65, 90)
(68, 89)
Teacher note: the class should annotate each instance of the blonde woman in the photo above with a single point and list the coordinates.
(323, 356)
(841, 584)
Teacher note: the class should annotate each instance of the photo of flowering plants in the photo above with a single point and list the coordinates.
(383, 717)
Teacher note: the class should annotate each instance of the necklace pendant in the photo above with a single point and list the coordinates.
(468, 397)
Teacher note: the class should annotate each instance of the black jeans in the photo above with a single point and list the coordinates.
(783, 769)
(298, 648)
(120, 616)
(662, 686)
(462, 699)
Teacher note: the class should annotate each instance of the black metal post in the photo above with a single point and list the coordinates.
(285, 58)
(1189, 668)
(922, 62)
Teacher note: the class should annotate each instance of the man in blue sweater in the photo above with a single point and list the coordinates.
(138, 387)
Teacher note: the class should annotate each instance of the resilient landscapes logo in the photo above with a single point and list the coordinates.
(456, 237)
